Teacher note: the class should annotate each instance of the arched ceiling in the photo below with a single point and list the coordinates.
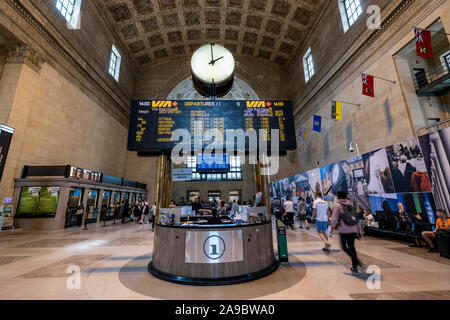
(156, 30)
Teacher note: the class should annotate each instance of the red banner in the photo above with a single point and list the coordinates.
(368, 85)
(423, 43)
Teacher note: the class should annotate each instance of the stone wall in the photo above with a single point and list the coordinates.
(57, 124)
(396, 112)
(72, 111)
(157, 81)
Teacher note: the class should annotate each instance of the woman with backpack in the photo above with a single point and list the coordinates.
(345, 218)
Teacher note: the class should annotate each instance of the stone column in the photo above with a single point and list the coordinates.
(99, 205)
(85, 199)
(22, 53)
(61, 210)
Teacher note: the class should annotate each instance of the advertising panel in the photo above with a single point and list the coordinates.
(38, 202)
(402, 185)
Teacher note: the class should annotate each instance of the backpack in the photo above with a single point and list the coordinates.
(350, 215)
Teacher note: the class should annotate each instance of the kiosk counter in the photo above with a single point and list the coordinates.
(193, 252)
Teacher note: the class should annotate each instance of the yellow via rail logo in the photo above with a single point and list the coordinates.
(258, 104)
(164, 104)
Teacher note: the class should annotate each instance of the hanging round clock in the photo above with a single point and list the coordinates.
(212, 68)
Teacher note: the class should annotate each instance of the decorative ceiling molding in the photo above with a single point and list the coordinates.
(25, 54)
(157, 30)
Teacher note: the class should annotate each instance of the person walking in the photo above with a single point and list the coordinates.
(320, 212)
(145, 213)
(289, 210)
(345, 218)
(302, 215)
(137, 213)
(153, 212)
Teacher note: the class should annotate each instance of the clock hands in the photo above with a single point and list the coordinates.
(214, 61)
(212, 55)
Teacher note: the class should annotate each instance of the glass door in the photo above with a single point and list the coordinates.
(74, 203)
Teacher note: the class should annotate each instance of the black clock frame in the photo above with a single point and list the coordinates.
(209, 90)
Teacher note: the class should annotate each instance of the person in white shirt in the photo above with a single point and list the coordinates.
(320, 212)
(289, 211)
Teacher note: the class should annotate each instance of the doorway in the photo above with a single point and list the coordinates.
(234, 195)
(192, 194)
(214, 195)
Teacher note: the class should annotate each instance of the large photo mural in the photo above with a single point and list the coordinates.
(401, 185)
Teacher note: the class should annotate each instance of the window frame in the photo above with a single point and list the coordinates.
(308, 65)
(346, 19)
(235, 173)
(114, 63)
(71, 18)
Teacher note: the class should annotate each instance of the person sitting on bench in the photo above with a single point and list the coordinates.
(442, 223)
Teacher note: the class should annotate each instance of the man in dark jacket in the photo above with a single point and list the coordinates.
(347, 233)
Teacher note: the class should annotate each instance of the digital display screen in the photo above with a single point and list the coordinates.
(213, 163)
(153, 122)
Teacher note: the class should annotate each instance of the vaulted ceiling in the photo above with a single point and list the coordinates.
(156, 30)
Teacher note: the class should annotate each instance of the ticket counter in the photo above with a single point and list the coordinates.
(55, 197)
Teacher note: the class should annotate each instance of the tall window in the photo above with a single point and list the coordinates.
(114, 63)
(70, 10)
(350, 12)
(353, 10)
(308, 65)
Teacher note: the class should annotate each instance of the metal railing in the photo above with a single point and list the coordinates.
(434, 127)
(424, 78)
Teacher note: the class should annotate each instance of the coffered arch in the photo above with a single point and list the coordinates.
(157, 30)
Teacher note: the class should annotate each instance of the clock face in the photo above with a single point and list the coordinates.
(212, 63)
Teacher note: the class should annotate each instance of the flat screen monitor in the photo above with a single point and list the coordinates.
(213, 163)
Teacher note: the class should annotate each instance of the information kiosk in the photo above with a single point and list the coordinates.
(187, 248)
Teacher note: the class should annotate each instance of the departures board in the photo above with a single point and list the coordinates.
(153, 122)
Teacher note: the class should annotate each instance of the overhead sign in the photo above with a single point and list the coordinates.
(214, 246)
(184, 174)
(6, 134)
(153, 122)
(85, 174)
